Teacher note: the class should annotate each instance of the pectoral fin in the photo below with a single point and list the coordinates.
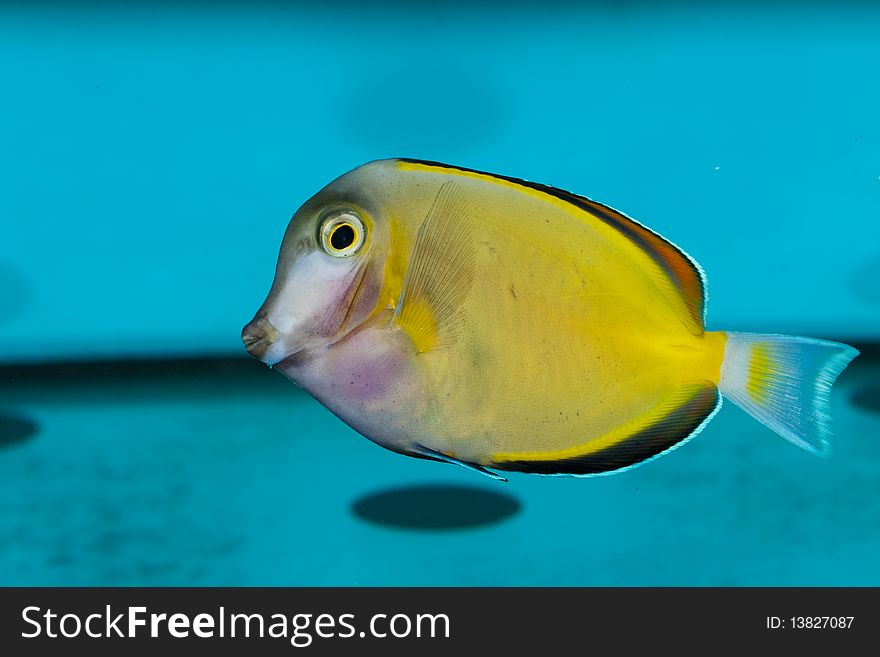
(440, 273)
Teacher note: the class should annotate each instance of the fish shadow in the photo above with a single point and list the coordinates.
(435, 507)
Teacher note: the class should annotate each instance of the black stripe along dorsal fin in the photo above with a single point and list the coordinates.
(682, 272)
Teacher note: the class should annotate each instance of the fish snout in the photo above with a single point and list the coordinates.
(258, 336)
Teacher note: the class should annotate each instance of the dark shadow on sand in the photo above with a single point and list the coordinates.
(435, 507)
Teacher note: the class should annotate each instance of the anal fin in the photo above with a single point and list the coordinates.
(675, 419)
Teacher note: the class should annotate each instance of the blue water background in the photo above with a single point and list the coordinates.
(150, 157)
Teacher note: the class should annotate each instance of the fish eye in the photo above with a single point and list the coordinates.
(342, 233)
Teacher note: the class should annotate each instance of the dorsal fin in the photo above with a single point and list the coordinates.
(682, 271)
(685, 278)
(440, 273)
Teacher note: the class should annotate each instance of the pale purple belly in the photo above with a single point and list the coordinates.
(371, 381)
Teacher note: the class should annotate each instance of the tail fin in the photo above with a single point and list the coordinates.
(785, 383)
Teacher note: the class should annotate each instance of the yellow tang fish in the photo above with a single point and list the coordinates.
(483, 320)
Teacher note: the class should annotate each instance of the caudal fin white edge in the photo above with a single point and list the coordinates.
(785, 383)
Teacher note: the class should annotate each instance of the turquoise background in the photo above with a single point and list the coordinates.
(151, 155)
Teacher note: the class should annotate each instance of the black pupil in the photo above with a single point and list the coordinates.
(342, 237)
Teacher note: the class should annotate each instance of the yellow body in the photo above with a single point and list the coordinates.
(571, 338)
